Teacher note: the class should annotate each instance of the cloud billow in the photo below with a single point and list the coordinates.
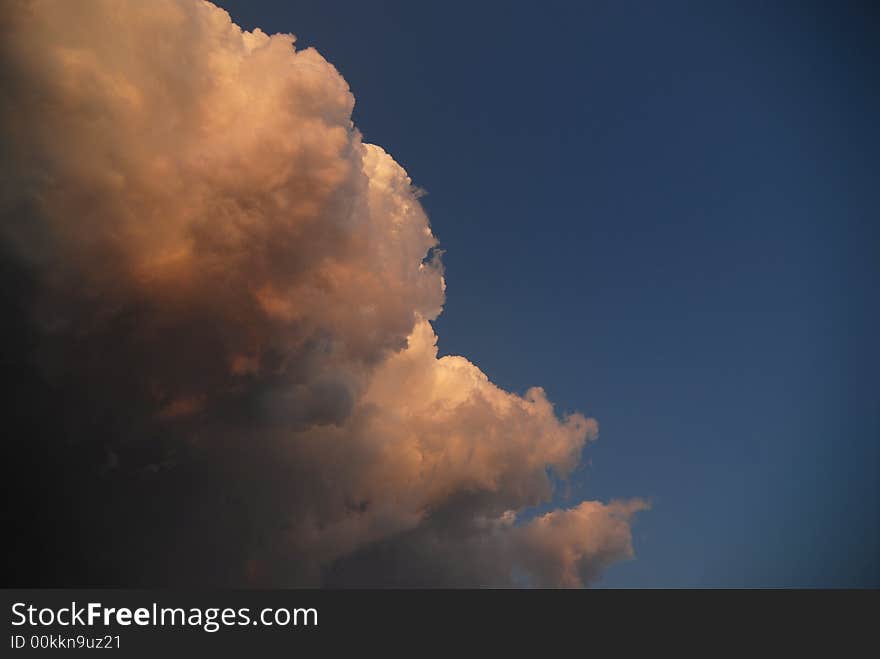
(228, 299)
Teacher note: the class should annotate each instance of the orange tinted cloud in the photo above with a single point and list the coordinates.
(223, 263)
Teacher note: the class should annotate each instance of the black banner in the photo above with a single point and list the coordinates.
(285, 622)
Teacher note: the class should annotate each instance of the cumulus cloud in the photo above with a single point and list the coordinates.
(231, 296)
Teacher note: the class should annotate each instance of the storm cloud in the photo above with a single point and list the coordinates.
(220, 304)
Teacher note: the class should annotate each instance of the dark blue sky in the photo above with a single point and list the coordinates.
(666, 215)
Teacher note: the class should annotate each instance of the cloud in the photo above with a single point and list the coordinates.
(231, 296)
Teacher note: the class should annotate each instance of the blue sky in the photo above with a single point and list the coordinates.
(665, 215)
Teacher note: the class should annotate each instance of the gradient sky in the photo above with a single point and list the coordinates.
(665, 215)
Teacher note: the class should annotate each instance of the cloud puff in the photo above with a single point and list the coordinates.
(232, 297)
